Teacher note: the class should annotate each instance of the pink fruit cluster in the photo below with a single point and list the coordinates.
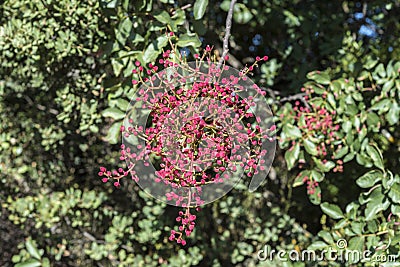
(311, 185)
(187, 221)
(195, 146)
(315, 121)
(319, 137)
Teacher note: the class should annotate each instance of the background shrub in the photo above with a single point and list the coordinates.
(65, 82)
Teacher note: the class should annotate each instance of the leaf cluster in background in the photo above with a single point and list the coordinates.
(66, 80)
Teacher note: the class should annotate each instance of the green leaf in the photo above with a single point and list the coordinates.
(199, 8)
(336, 86)
(356, 243)
(387, 86)
(332, 210)
(109, 3)
(310, 147)
(114, 113)
(117, 65)
(124, 54)
(380, 70)
(315, 198)
(356, 122)
(352, 207)
(319, 77)
(364, 160)
(376, 202)
(394, 193)
(292, 155)
(318, 245)
(388, 181)
(395, 209)
(317, 176)
(32, 249)
(292, 131)
(300, 177)
(29, 263)
(357, 227)
(241, 14)
(163, 17)
(326, 236)
(370, 63)
(113, 133)
(382, 105)
(393, 114)
(341, 224)
(357, 96)
(376, 156)
(122, 104)
(124, 30)
(188, 39)
(390, 70)
(225, 5)
(346, 126)
(372, 226)
(318, 89)
(341, 152)
(331, 100)
(351, 211)
(139, 4)
(369, 179)
(351, 109)
(324, 167)
(291, 19)
(153, 50)
(372, 119)
(136, 38)
(178, 19)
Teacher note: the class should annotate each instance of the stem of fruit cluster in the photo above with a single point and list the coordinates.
(228, 27)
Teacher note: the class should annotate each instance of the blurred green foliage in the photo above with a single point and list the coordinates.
(65, 82)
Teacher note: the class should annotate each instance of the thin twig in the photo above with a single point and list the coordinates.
(182, 8)
(296, 97)
(40, 107)
(233, 61)
(293, 97)
(272, 93)
(228, 26)
(92, 238)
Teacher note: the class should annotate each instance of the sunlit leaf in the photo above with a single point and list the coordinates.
(332, 210)
(199, 8)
